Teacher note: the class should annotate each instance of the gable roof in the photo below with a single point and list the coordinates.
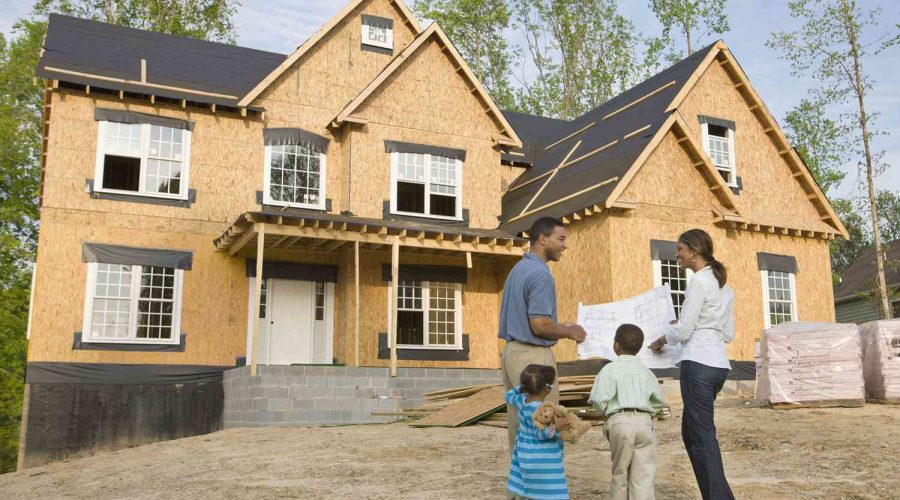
(109, 56)
(434, 30)
(315, 38)
(860, 276)
(595, 151)
(590, 160)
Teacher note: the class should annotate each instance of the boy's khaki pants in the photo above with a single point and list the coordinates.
(515, 358)
(632, 444)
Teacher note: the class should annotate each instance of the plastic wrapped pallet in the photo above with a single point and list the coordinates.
(881, 359)
(811, 363)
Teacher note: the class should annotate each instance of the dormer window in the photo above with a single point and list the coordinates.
(377, 34)
(718, 141)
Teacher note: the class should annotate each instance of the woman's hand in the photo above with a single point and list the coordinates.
(658, 344)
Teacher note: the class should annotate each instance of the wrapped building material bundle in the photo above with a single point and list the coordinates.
(881, 359)
(816, 364)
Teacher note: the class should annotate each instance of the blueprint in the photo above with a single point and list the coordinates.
(652, 311)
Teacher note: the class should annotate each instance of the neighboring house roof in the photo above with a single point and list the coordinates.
(588, 162)
(511, 139)
(109, 56)
(315, 38)
(860, 276)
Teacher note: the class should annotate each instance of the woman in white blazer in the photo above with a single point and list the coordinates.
(705, 325)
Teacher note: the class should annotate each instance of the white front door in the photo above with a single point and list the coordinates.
(296, 328)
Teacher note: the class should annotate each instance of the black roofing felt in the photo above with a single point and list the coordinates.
(608, 164)
(114, 51)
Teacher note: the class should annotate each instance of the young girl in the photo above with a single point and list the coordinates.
(537, 469)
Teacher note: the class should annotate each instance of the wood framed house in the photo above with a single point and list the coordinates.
(378, 192)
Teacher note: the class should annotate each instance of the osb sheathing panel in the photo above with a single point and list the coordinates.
(225, 168)
(332, 72)
(426, 102)
(770, 192)
(481, 307)
(214, 302)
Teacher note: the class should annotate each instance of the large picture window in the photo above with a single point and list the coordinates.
(429, 314)
(426, 185)
(143, 159)
(133, 304)
(295, 176)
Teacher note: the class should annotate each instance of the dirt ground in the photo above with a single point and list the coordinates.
(811, 453)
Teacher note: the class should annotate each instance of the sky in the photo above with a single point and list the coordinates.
(282, 25)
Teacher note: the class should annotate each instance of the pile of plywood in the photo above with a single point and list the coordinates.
(881, 359)
(811, 364)
(484, 404)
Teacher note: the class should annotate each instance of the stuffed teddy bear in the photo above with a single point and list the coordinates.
(546, 414)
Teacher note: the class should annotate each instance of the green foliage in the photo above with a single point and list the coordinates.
(583, 51)
(819, 141)
(476, 29)
(691, 20)
(854, 217)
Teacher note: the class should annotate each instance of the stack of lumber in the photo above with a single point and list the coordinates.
(811, 365)
(881, 360)
(484, 404)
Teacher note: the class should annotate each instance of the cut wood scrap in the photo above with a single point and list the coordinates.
(493, 424)
(468, 410)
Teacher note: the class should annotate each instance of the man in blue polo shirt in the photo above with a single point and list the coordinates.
(528, 312)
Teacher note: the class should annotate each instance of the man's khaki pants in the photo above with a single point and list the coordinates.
(516, 357)
(632, 444)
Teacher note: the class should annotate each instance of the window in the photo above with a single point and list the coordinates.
(377, 32)
(263, 297)
(426, 185)
(129, 303)
(320, 301)
(295, 176)
(895, 309)
(668, 271)
(779, 297)
(719, 144)
(144, 159)
(428, 314)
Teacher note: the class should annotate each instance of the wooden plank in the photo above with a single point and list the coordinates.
(468, 410)
(356, 302)
(834, 403)
(395, 280)
(254, 307)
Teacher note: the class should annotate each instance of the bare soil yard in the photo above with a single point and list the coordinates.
(812, 453)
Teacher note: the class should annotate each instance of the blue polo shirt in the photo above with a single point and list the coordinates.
(529, 292)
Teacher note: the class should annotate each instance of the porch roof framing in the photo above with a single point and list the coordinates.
(289, 230)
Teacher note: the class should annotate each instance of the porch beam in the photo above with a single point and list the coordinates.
(257, 295)
(356, 302)
(243, 239)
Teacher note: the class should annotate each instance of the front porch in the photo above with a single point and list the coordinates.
(356, 265)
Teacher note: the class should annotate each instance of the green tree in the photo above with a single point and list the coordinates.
(205, 19)
(845, 252)
(21, 107)
(830, 47)
(889, 211)
(583, 52)
(819, 141)
(690, 20)
(476, 29)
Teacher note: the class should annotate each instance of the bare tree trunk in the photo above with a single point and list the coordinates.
(870, 174)
(687, 35)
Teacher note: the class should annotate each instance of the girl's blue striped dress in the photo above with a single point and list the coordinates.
(537, 469)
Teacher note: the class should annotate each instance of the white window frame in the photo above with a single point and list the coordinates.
(395, 178)
(426, 298)
(658, 279)
(90, 290)
(732, 169)
(145, 154)
(387, 44)
(267, 180)
(764, 281)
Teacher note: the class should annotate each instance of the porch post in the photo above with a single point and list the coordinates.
(356, 302)
(257, 295)
(395, 279)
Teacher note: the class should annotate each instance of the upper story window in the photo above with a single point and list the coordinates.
(426, 181)
(718, 141)
(294, 168)
(378, 32)
(148, 158)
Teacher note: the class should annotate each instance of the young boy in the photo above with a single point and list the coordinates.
(628, 394)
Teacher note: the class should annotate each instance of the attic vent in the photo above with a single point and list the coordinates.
(378, 34)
